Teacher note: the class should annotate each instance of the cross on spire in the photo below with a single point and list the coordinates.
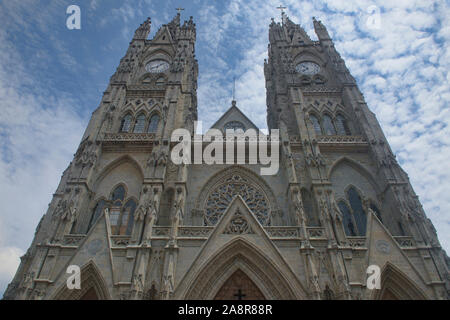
(239, 295)
(179, 10)
(282, 9)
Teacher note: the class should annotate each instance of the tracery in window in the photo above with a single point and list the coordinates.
(154, 123)
(358, 211)
(328, 125)
(354, 219)
(125, 124)
(342, 126)
(316, 124)
(139, 127)
(347, 219)
(98, 209)
(121, 212)
(220, 198)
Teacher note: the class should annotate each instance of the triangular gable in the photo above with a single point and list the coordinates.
(238, 228)
(163, 36)
(234, 114)
(95, 249)
(383, 250)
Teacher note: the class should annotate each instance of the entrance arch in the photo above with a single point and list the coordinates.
(239, 287)
(217, 277)
(395, 285)
(93, 286)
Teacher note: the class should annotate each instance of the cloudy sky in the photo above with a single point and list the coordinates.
(52, 78)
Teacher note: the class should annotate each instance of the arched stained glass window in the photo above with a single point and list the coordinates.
(125, 124)
(358, 211)
(347, 219)
(118, 194)
(328, 126)
(128, 217)
(154, 123)
(316, 124)
(342, 126)
(139, 126)
(98, 209)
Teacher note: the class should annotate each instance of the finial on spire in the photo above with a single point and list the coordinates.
(143, 30)
(281, 7)
(234, 89)
(179, 10)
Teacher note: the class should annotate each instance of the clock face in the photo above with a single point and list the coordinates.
(234, 125)
(157, 66)
(308, 68)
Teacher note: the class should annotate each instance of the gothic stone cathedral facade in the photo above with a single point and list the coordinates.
(141, 227)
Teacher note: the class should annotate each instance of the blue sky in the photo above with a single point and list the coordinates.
(52, 78)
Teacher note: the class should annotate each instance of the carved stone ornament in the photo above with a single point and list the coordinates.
(238, 225)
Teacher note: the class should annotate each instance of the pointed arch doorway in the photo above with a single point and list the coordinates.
(239, 287)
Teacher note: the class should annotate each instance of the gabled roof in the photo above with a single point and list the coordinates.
(234, 114)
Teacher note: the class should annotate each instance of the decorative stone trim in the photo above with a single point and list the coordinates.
(283, 232)
(238, 225)
(120, 241)
(341, 140)
(356, 242)
(73, 239)
(133, 138)
(316, 233)
(194, 232)
(405, 242)
(161, 231)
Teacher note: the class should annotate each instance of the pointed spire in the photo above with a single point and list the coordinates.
(142, 32)
(320, 30)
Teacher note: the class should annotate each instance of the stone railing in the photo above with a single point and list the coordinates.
(194, 231)
(137, 138)
(120, 241)
(73, 239)
(161, 231)
(283, 232)
(341, 140)
(356, 242)
(405, 242)
(316, 233)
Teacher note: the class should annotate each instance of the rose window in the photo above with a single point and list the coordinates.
(222, 195)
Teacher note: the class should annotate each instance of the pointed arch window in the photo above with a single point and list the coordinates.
(125, 124)
(139, 126)
(316, 124)
(342, 126)
(328, 126)
(358, 211)
(121, 212)
(354, 216)
(347, 219)
(98, 209)
(153, 124)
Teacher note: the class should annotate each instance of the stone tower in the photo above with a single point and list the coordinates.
(141, 227)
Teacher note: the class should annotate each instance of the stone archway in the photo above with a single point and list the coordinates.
(395, 285)
(93, 286)
(219, 276)
(239, 287)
